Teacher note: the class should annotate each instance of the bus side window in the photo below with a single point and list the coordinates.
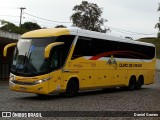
(55, 58)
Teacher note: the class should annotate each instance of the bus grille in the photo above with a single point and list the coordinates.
(23, 83)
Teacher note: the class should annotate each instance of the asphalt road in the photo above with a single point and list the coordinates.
(146, 99)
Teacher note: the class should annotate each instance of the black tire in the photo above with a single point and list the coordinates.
(72, 89)
(132, 84)
(41, 95)
(139, 83)
(108, 89)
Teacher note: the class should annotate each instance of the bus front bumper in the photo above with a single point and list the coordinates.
(40, 88)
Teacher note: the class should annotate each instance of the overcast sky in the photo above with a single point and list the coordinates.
(137, 16)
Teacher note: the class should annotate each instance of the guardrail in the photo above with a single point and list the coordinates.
(4, 74)
(9, 35)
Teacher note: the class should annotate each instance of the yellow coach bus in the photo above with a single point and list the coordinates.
(63, 60)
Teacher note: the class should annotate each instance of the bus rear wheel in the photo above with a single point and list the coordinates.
(139, 83)
(132, 83)
(72, 89)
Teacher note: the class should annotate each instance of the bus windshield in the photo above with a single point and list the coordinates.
(29, 56)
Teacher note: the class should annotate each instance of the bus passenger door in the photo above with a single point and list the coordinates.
(55, 82)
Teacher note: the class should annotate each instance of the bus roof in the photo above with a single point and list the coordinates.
(80, 32)
(46, 33)
(93, 34)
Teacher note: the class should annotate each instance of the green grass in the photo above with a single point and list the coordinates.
(155, 41)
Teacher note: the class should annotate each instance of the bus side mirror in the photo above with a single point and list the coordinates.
(6, 48)
(49, 47)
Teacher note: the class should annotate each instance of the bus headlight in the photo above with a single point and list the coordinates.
(41, 81)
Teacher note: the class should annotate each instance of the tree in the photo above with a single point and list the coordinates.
(60, 26)
(88, 16)
(10, 27)
(158, 24)
(28, 26)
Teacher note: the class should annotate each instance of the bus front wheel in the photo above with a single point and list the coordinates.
(72, 88)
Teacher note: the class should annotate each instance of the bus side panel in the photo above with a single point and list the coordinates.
(119, 77)
(88, 78)
(149, 77)
(104, 78)
(55, 82)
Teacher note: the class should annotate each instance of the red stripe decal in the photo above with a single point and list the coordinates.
(127, 53)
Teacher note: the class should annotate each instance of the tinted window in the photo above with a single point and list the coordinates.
(65, 48)
(106, 48)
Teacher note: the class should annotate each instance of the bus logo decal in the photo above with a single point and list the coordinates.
(112, 61)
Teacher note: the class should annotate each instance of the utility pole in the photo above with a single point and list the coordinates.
(22, 8)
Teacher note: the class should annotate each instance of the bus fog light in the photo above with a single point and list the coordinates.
(39, 89)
